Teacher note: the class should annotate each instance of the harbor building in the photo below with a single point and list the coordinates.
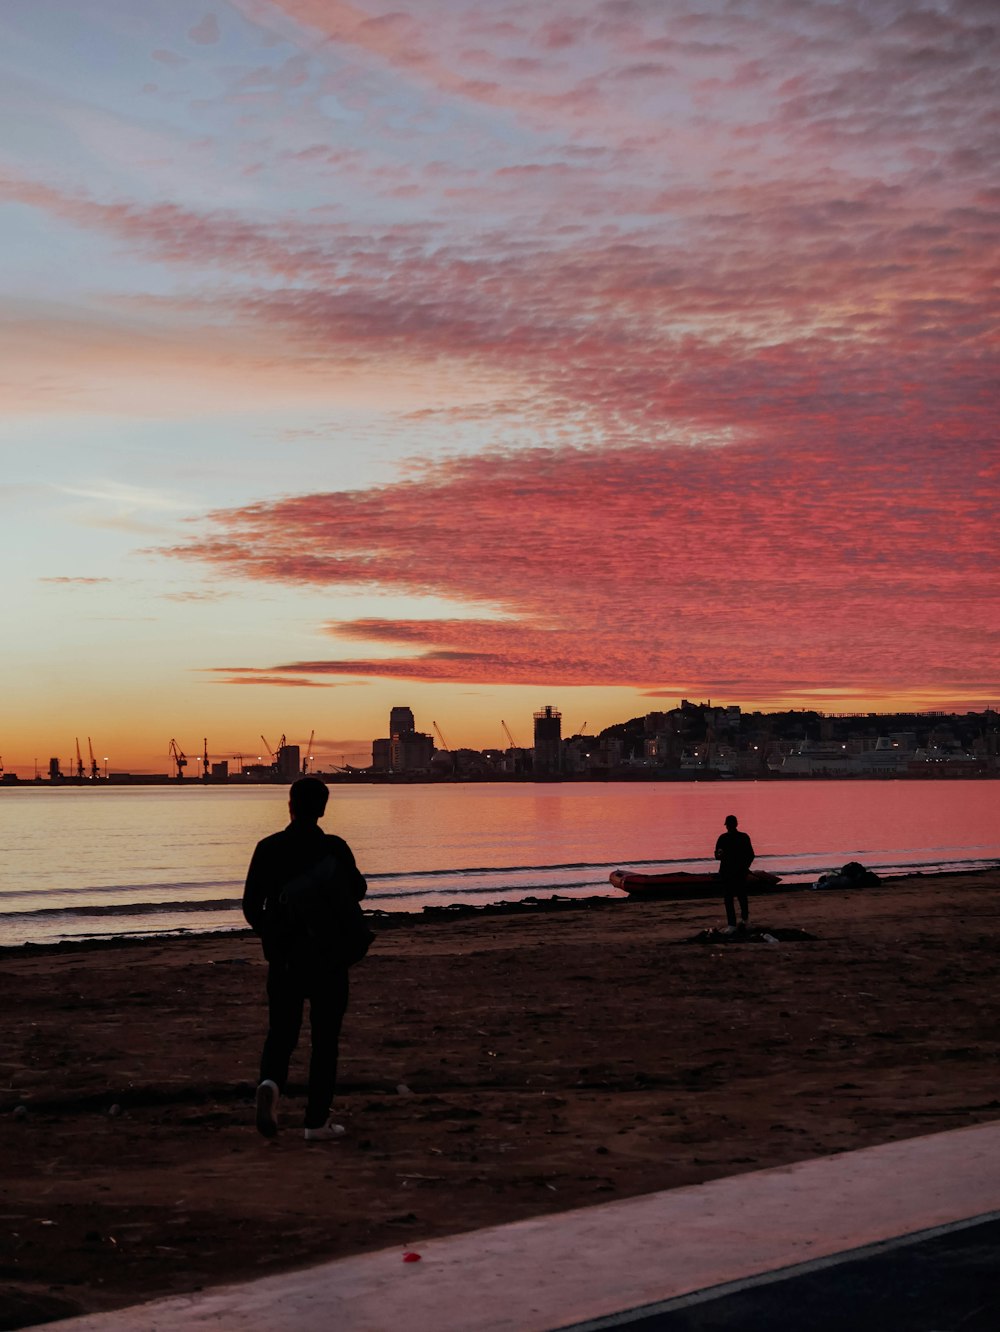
(287, 763)
(405, 749)
(547, 752)
(401, 722)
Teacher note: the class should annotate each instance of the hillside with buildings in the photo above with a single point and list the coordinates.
(699, 740)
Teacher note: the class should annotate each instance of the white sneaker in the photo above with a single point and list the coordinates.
(326, 1133)
(267, 1108)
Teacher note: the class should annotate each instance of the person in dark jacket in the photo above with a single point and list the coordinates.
(735, 854)
(301, 966)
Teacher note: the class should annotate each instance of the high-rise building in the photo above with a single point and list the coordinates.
(382, 755)
(547, 756)
(287, 763)
(412, 753)
(405, 749)
(400, 723)
(401, 730)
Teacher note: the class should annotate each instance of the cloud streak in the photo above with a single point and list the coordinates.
(645, 567)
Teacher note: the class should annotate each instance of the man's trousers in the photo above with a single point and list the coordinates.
(291, 983)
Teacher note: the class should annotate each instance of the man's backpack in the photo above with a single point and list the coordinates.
(330, 916)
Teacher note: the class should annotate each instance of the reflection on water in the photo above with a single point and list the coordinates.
(82, 861)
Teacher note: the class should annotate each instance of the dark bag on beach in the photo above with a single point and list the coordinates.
(331, 917)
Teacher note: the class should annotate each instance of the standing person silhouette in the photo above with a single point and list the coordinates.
(735, 854)
(302, 963)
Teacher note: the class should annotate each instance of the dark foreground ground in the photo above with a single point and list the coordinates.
(494, 1067)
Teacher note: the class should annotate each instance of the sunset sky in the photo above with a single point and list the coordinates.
(483, 356)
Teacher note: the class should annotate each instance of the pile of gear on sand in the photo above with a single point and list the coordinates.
(747, 933)
(852, 875)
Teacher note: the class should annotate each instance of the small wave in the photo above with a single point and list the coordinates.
(485, 890)
(128, 909)
(522, 881)
(505, 869)
(160, 886)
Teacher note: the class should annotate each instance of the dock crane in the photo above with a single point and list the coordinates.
(309, 753)
(95, 770)
(79, 760)
(268, 747)
(205, 771)
(506, 731)
(179, 757)
(444, 742)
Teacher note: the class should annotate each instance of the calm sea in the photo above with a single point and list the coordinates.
(92, 862)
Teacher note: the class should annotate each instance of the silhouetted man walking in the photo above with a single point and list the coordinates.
(735, 854)
(302, 956)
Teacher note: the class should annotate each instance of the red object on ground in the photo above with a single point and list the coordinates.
(411, 1257)
(679, 885)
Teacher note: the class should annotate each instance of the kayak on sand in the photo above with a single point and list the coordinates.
(679, 885)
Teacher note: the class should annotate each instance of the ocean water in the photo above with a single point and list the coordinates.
(94, 862)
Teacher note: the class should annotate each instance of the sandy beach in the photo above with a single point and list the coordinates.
(494, 1066)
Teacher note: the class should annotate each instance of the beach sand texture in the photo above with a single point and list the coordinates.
(493, 1067)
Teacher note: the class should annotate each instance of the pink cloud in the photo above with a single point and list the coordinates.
(170, 58)
(810, 312)
(840, 74)
(195, 596)
(239, 675)
(83, 582)
(648, 566)
(205, 32)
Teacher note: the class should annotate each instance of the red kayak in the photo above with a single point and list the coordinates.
(679, 885)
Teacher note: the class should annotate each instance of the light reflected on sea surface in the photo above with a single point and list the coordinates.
(118, 860)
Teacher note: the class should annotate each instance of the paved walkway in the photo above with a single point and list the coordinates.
(623, 1264)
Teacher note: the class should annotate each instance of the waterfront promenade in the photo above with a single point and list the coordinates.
(920, 1215)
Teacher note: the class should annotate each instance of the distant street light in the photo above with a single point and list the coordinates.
(105, 767)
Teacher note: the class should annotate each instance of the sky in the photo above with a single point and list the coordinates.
(598, 353)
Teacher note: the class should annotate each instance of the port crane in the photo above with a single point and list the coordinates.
(79, 759)
(506, 731)
(179, 757)
(95, 770)
(444, 742)
(309, 753)
(205, 772)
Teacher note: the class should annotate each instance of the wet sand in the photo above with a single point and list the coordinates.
(493, 1067)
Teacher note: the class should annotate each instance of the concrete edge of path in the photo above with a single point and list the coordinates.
(574, 1269)
(628, 1317)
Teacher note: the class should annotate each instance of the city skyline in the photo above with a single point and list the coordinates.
(602, 356)
(667, 738)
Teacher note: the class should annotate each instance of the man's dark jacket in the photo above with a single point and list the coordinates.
(281, 857)
(736, 855)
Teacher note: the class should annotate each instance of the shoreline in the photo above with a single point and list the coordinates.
(966, 771)
(383, 920)
(494, 1066)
